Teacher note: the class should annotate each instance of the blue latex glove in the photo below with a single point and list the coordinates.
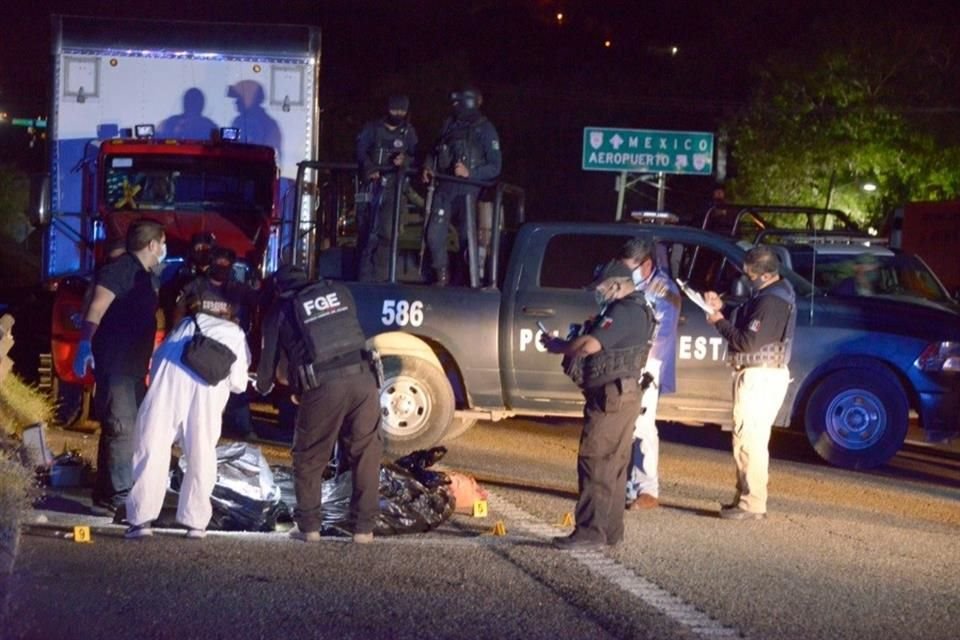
(83, 359)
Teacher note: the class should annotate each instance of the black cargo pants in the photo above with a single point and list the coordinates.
(348, 408)
(609, 416)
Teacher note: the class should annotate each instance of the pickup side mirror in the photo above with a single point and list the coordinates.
(39, 206)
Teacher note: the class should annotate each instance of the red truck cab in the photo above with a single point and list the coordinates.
(225, 188)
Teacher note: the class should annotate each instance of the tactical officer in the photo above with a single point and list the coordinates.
(606, 362)
(387, 143)
(759, 336)
(218, 293)
(314, 326)
(468, 147)
(197, 263)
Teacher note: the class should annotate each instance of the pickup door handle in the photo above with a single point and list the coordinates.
(538, 312)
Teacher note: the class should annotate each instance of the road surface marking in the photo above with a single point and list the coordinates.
(602, 566)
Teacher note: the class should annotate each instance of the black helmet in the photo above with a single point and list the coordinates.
(290, 277)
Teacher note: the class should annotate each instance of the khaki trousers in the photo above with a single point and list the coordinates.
(758, 393)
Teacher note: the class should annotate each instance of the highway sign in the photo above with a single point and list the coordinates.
(647, 151)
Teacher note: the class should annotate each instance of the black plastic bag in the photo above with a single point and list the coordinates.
(413, 499)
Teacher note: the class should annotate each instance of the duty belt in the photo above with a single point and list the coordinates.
(770, 355)
(311, 378)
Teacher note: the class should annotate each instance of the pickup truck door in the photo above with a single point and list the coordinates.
(552, 291)
(703, 380)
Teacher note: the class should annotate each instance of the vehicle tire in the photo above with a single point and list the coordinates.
(416, 404)
(458, 427)
(857, 418)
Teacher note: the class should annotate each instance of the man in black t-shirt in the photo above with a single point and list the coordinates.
(759, 338)
(117, 341)
(606, 361)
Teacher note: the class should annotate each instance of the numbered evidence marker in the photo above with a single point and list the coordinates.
(81, 534)
(479, 508)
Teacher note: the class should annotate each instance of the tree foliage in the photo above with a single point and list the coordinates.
(14, 196)
(859, 111)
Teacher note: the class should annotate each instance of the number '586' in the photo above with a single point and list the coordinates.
(402, 313)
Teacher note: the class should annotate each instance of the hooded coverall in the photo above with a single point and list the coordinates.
(181, 406)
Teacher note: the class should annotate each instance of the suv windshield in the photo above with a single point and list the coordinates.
(240, 191)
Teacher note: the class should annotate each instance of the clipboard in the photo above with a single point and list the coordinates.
(694, 296)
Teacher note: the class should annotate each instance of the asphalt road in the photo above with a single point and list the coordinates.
(842, 555)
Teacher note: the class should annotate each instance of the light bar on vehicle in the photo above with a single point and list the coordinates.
(230, 133)
(659, 217)
(144, 131)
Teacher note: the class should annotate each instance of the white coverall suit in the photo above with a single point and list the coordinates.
(180, 406)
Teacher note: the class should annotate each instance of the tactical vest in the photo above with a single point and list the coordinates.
(387, 144)
(608, 365)
(460, 142)
(775, 354)
(328, 326)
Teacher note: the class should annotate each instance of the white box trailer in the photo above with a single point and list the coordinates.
(188, 80)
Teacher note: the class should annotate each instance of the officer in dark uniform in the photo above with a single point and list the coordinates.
(218, 293)
(385, 143)
(759, 338)
(606, 361)
(197, 263)
(315, 326)
(468, 147)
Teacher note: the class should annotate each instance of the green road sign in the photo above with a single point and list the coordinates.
(647, 151)
(39, 123)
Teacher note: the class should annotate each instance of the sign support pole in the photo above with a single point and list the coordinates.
(661, 190)
(621, 183)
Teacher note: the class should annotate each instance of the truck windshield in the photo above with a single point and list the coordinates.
(238, 190)
(880, 274)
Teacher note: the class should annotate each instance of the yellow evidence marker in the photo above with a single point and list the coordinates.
(480, 509)
(567, 520)
(81, 533)
(499, 529)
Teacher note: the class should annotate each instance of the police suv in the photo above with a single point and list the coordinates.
(453, 355)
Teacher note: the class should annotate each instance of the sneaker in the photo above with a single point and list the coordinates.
(305, 536)
(136, 531)
(736, 513)
(643, 502)
(196, 534)
(362, 538)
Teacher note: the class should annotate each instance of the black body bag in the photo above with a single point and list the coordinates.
(207, 358)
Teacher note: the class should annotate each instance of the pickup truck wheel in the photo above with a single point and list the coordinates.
(458, 427)
(857, 418)
(416, 404)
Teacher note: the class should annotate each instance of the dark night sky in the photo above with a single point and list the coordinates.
(542, 82)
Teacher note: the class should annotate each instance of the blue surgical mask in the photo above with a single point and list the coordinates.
(163, 253)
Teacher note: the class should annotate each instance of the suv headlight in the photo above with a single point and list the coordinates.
(940, 356)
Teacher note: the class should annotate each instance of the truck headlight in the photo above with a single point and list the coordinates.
(940, 356)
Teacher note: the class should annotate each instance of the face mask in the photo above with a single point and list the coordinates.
(395, 121)
(201, 257)
(220, 272)
(163, 253)
(756, 283)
